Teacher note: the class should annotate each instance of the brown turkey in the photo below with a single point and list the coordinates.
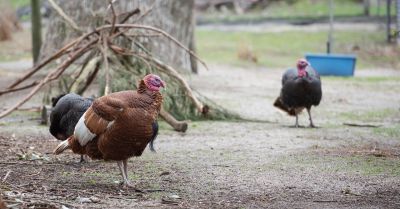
(118, 126)
(301, 88)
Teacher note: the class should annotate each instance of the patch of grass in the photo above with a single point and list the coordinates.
(156, 195)
(307, 8)
(370, 79)
(66, 174)
(281, 50)
(301, 10)
(392, 131)
(364, 165)
(372, 116)
(19, 47)
(98, 174)
(19, 3)
(24, 114)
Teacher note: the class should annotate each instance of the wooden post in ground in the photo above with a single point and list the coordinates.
(397, 32)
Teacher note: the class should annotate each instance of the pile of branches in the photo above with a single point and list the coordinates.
(103, 54)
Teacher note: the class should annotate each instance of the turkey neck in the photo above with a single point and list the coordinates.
(151, 99)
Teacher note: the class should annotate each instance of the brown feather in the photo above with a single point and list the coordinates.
(132, 114)
(94, 122)
(2, 204)
(291, 111)
(75, 146)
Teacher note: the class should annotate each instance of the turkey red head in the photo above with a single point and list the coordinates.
(153, 82)
(301, 67)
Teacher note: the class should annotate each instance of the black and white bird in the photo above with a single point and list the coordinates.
(66, 112)
(301, 88)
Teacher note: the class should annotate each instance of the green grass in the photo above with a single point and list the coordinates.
(280, 50)
(366, 80)
(391, 131)
(307, 8)
(370, 116)
(299, 11)
(358, 164)
(19, 3)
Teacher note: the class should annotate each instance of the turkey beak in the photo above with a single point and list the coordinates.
(163, 84)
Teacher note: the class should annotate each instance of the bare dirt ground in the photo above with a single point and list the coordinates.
(227, 164)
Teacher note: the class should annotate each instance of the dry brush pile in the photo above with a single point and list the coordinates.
(103, 54)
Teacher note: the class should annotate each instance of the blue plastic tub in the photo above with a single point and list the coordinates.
(332, 64)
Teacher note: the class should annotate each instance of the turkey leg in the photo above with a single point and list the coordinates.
(84, 159)
(123, 168)
(310, 118)
(297, 121)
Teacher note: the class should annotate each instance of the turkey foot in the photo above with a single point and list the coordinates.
(296, 125)
(84, 159)
(123, 167)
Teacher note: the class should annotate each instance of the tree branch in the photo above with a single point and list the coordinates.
(165, 34)
(65, 16)
(173, 73)
(20, 88)
(104, 49)
(114, 16)
(56, 55)
(51, 76)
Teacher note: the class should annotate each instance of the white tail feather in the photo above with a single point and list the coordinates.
(82, 133)
(61, 147)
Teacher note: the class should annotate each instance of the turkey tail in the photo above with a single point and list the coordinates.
(278, 103)
(154, 136)
(62, 147)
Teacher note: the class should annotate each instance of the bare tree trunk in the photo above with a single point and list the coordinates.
(36, 30)
(192, 47)
(366, 7)
(172, 16)
(397, 33)
(388, 21)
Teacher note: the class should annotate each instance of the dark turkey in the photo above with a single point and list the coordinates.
(301, 88)
(67, 109)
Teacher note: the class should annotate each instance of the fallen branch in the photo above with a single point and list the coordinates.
(89, 73)
(165, 34)
(104, 49)
(51, 76)
(78, 75)
(173, 73)
(19, 89)
(6, 176)
(104, 35)
(325, 201)
(56, 55)
(129, 15)
(180, 126)
(114, 17)
(362, 125)
(169, 71)
(145, 13)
